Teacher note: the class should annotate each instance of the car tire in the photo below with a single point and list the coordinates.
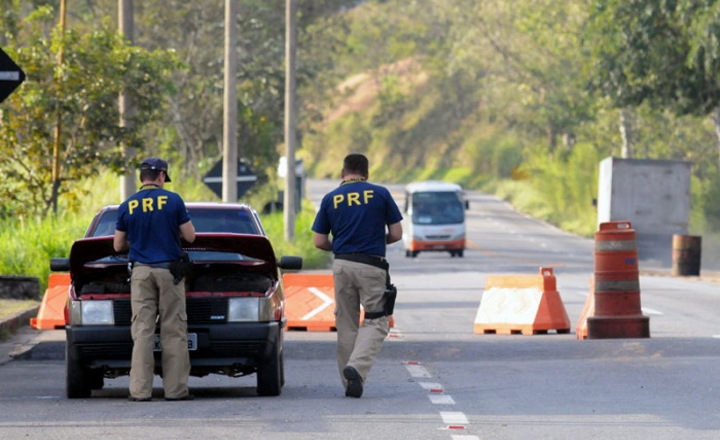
(270, 375)
(282, 371)
(77, 380)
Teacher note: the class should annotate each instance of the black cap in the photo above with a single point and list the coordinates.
(155, 163)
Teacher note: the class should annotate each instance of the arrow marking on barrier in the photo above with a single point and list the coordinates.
(325, 299)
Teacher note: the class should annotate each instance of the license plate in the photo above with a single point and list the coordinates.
(192, 342)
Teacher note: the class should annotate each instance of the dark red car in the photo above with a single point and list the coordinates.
(235, 302)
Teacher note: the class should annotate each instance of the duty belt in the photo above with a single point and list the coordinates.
(162, 265)
(372, 260)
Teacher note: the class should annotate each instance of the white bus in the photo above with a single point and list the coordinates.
(434, 218)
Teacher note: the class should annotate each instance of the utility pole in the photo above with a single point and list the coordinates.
(290, 118)
(128, 182)
(230, 153)
(56, 169)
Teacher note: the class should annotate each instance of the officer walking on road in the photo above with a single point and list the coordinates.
(150, 224)
(356, 214)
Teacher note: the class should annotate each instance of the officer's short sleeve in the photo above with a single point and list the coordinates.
(182, 212)
(121, 222)
(321, 225)
(393, 214)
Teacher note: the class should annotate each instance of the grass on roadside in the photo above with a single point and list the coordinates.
(9, 307)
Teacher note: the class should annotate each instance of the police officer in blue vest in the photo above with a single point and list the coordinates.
(150, 224)
(363, 219)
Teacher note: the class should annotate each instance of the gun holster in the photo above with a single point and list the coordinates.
(390, 295)
(180, 268)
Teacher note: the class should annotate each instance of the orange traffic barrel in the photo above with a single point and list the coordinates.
(616, 290)
(686, 250)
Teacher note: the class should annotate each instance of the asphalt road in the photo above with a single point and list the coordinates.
(436, 378)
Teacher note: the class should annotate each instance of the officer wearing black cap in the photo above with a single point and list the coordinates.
(357, 215)
(150, 224)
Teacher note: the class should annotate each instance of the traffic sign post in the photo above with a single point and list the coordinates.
(11, 76)
(245, 178)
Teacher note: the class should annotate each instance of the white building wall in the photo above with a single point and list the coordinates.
(653, 195)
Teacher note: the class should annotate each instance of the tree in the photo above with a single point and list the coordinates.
(663, 53)
(83, 91)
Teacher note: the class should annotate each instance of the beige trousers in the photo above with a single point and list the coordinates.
(356, 284)
(154, 294)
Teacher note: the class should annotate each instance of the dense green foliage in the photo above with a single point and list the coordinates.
(524, 98)
(78, 95)
(518, 97)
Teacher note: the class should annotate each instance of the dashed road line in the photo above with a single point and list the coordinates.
(441, 399)
(417, 370)
(453, 418)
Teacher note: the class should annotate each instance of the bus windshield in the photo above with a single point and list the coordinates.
(437, 208)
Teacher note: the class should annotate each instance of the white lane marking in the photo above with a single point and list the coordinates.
(453, 418)
(651, 311)
(417, 371)
(441, 399)
(326, 303)
(432, 386)
(395, 334)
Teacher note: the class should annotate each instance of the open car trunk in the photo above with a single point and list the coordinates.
(222, 262)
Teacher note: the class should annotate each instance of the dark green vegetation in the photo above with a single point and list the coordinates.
(521, 98)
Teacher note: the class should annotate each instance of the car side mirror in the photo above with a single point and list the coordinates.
(60, 264)
(290, 263)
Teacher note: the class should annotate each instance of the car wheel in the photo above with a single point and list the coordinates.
(460, 253)
(282, 371)
(77, 379)
(270, 375)
(414, 253)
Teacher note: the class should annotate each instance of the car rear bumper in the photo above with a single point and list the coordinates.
(437, 245)
(218, 345)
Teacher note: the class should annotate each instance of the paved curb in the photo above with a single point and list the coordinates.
(13, 322)
(21, 338)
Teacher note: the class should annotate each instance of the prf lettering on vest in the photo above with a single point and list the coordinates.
(353, 198)
(148, 204)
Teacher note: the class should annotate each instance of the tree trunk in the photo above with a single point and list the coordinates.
(626, 133)
(552, 141)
